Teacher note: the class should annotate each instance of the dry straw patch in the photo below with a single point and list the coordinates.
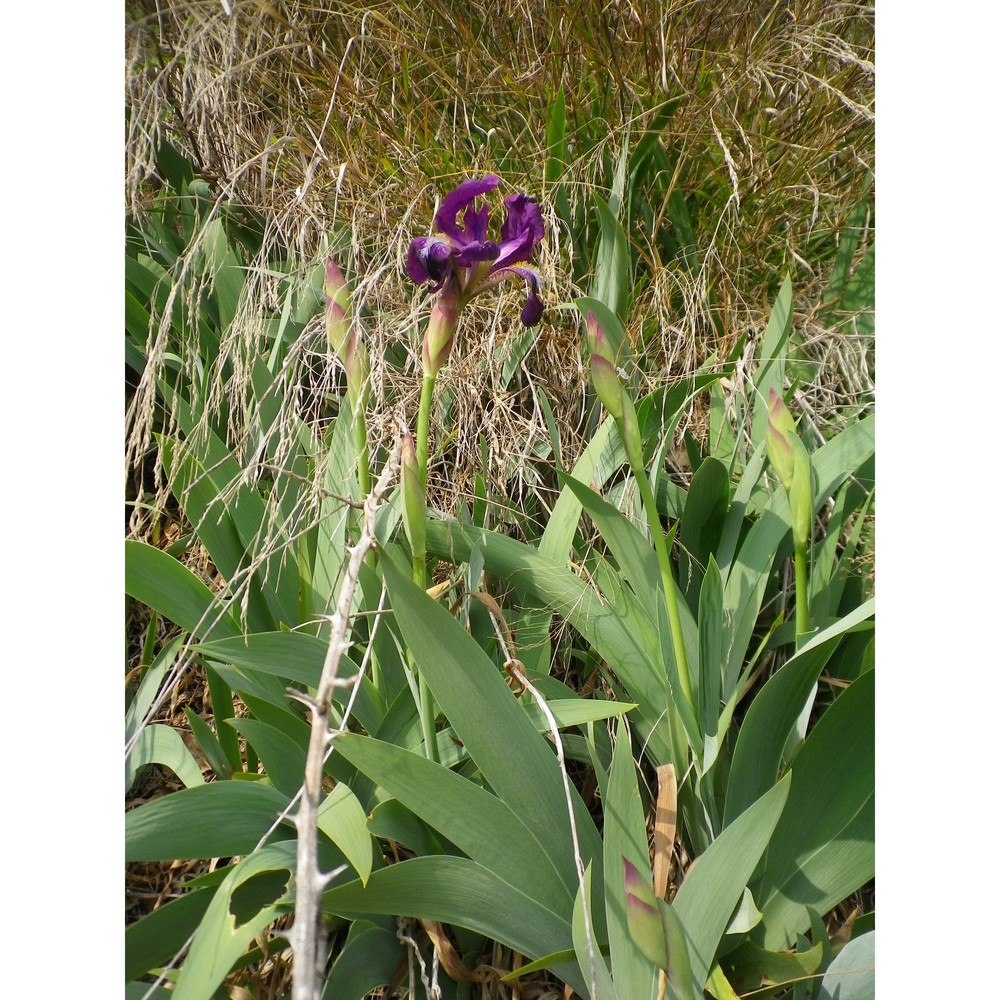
(353, 118)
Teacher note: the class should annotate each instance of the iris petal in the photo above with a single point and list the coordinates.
(516, 250)
(523, 214)
(461, 198)
(475, 253)
(429, 259)
(533, 308)
(531, 314)
(476, 223)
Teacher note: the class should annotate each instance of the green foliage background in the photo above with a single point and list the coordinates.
(705, 176)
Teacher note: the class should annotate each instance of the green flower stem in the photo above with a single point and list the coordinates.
(428, 713)
(801, 596)
(667, 576)
(428, 710)
(423, 433)
(361, 440)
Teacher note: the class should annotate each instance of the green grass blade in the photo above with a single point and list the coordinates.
(217, 820)
(159, 581)
(851, 975)
(283, 759)
(757, 755)
(339, 478)
(343, 820)
(292, 656)
(708, 896)
(150, 684)
(555, 138)
(602, 456)
(210, 747)
(155, 939)
(226, 269)
(469, 689)
(459, 891)
(635, 556)
(594, 970)
(204, 506)
(245, 506)
(367, 961)
(631, 648)
(711, 657)
(745, 576)
(701, 525)
(232, 922)
(850, 238)
(770, 373)
(475, 821)
(610, 283)
(624, 837)
(680, 217)
(824, 847)
(163, 745)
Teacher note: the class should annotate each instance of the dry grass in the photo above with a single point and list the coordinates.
(350, 119)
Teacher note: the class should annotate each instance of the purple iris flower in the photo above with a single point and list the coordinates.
(465, 255)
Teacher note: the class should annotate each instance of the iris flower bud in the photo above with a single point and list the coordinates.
(440, 334)
(791, 464)
(602, 368)
(643, 914)
(342, 333)
(414, 505)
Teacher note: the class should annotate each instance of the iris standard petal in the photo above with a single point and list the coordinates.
(523, 215)
(476, 224)
(475, 253)
(517, 250)
(455, 201)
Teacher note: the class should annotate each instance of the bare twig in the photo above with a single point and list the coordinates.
(308, 937)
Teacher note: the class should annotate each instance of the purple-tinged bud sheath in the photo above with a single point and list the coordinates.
(642, 912)
(441, 328)
(342, 333)
(780, 431)
(603, 373)
(631, 434)
(338, 307)
(358, 369)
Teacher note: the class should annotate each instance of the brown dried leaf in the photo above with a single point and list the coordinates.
(447, 956)
(664, 827)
